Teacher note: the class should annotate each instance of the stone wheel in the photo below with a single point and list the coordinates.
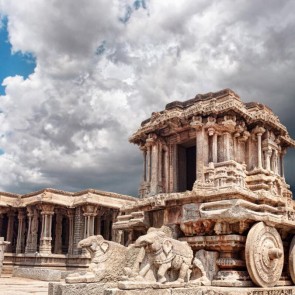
(292, 260)
(264, 255)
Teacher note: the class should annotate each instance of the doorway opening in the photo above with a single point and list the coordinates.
(186, 165)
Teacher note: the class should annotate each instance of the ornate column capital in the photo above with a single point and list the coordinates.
(197, 122)
(89, 210)
(46, 209)
(259, 130)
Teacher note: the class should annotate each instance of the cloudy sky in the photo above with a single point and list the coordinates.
(78, 77)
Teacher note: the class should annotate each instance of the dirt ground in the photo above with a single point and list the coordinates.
(21, 286)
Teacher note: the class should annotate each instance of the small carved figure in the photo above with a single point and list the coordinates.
(164, 253)
(108, 260)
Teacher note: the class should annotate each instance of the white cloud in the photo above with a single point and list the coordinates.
(97, 78)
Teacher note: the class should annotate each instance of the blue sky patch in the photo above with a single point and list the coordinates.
(129, 9)
(12, 64)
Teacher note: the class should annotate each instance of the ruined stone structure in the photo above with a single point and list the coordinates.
(45, 227)
(213, 171)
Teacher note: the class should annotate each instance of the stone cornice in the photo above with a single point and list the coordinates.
(66, 199)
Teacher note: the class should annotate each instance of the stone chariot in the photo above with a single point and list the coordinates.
(214, 173)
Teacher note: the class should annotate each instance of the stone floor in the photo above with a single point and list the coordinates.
(22, 286)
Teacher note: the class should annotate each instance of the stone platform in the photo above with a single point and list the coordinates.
(37, 273)
(103, 289)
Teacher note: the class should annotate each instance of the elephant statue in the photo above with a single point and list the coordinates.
(164, 253)
(108, 260)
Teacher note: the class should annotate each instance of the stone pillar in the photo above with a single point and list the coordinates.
(283, 153)
(226, 138)
(154, 176)
(71, 215)
(259, 132)
(46, 238)
(275, 162)
(58, 233)
(9, 235)
(20, 232)
(166, 167)
(214, 148)
(78, 229)
(198, 126)
(259, 150)
(3, 245)
(114, 219)
(148, 176)
(32, 235)
(144, 151)
(267, 156)
(30, 215)
(89, 213)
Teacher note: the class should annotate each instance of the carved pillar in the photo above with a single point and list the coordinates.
(30, 215)
(9, 235)
(144, 151)
(32, 235)
(166, 167)
(58, 233)
(275, 162)
(89, 213)
(71, 214)
(198, 126)
(259, 150)
(148, 177)
(283, 153)
(226, 138)
(214, 148)
(78, 229)
(259, 132)
(46, 238)
(267, 156)
(20, 232)
(155, 170)
(114, 219)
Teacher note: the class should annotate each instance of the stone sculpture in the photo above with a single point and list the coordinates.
(108, 260)
(164, 253)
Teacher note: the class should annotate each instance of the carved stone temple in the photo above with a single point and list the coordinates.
(214, 214)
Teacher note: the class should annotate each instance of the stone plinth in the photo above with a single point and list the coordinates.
(35, 273)
(78, 289)
(201, 291)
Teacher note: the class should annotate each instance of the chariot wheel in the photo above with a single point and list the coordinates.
(264, 255)
(292, 260)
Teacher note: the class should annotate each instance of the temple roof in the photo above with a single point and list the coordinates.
(223, 102)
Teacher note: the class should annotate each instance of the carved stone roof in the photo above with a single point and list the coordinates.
(67, 199)
(226, 101)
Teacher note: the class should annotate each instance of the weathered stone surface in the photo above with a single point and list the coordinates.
(35, 273)
(264, 255)
(206, 291)
(163, 253)
(78, 289)
(108, 260)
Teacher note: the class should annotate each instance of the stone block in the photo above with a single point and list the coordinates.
(137, 292)
(35, 273)
(78, 289)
